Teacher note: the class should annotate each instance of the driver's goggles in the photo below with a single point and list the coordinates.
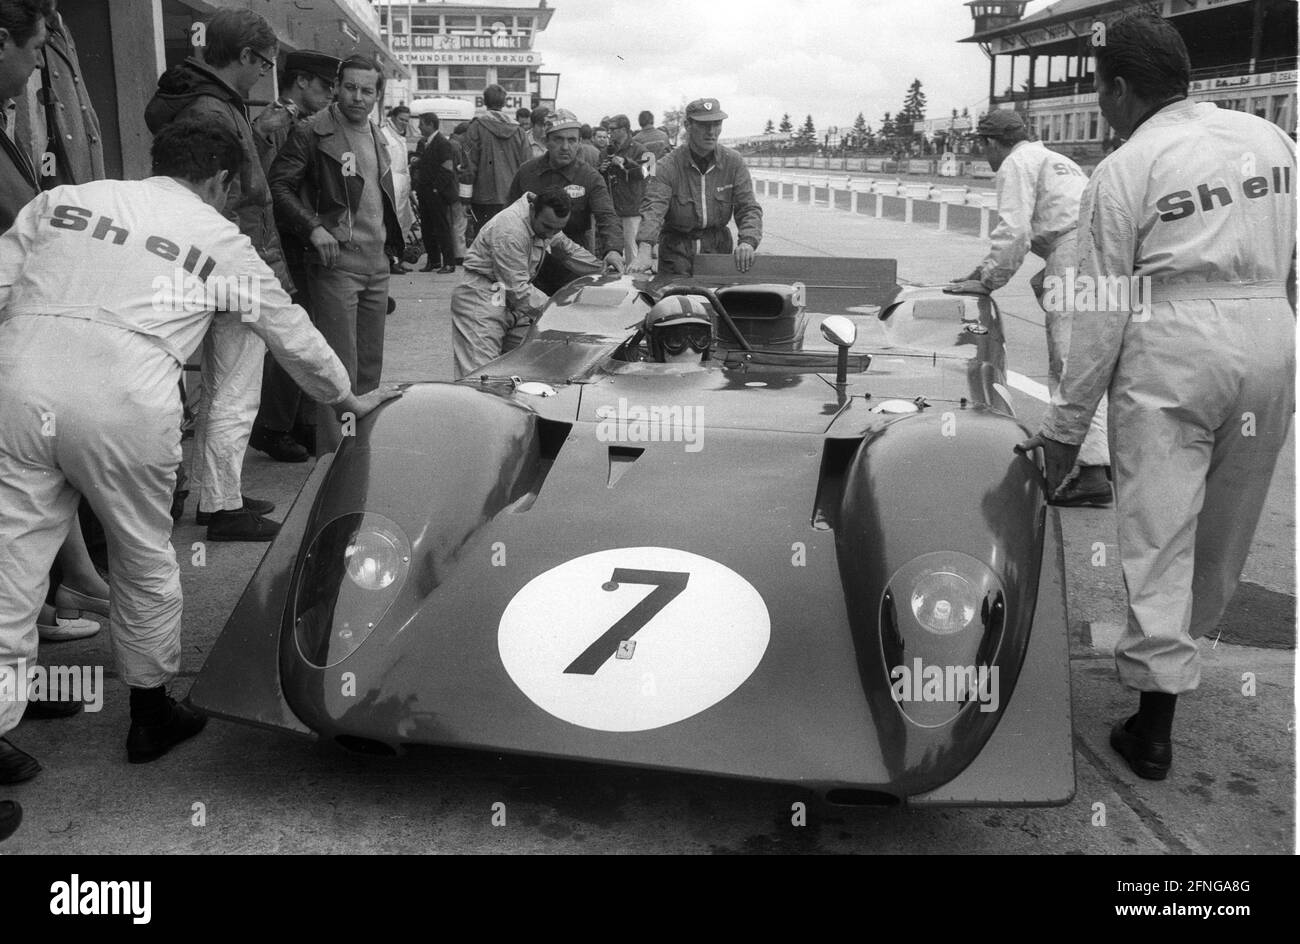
(677, 338)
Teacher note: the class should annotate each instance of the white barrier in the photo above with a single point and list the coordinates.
(776, 181)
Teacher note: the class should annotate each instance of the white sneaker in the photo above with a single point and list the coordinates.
(65, 629)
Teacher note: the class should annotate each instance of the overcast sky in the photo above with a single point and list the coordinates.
(762, 58)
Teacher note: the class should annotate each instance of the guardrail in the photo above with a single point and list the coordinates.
(951, 208)
(966, 166)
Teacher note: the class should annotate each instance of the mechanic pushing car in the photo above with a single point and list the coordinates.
(1038, 211)
(496, 301)
(692, 197)
(1198, 200)
(92, 343)
(679, 329)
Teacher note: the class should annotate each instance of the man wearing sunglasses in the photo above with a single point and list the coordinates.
(238, 47)
(679, 330)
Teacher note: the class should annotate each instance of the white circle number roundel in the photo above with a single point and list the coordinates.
(633, 638)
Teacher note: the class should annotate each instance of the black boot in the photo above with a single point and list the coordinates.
(16, 765)
(279, 445)
(1144, 739)
(242, 525)
(1091, 488)
(11, 816)
(158, 723)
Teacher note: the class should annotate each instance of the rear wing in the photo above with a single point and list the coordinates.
(832, 285)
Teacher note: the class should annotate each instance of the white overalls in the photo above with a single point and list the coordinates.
(1038, 210)
(98, 313)
(1202, 201)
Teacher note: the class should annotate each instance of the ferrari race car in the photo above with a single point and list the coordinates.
(820, 564)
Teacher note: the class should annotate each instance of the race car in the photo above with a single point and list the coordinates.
(812, 558)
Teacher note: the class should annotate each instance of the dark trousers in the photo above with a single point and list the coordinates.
(552, 274)
(435, 227)
(482, 212)
(350, 311)
(283, 404)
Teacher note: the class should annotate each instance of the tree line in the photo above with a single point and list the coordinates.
(892, 127)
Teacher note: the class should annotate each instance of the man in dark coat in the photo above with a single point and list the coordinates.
(240, 48)
(495, 147)
(436, 189)
(59, 126)
(306, 86)
(20, 52)
(333, 187)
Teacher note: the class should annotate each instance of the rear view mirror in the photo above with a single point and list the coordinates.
(840, 331)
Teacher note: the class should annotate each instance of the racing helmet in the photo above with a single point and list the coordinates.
(678, 322)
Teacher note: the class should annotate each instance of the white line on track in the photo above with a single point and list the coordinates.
(1025, 385)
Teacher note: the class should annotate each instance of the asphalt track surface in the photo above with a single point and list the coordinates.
(241, 789)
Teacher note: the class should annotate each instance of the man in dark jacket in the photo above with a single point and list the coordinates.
(588, 195)
(650, 137)
(435, 189)
(333, 188)
(495, 148)
(624, 169)
(240, 47)
(306, 86)
(20, 52)
(58, 126)
(588, 153)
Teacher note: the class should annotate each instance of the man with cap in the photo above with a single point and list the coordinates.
(560, 167)
(306, 86)
(693, 195)
(497, 299)
(1038, 211)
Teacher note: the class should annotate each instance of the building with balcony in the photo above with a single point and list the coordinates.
(455, 50)
(125, 45)
(1243, 56)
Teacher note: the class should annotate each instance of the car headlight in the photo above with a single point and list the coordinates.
(374, 558)
(944, 603)
(352, 572)
(942, 617)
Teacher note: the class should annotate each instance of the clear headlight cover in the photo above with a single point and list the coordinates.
(944, 603)
(374, 557)
(352, 572)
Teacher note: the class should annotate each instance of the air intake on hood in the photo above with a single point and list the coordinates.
(620, 459)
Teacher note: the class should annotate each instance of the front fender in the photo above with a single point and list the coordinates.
(942, 493)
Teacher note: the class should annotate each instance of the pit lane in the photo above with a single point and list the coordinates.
(239, 789)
